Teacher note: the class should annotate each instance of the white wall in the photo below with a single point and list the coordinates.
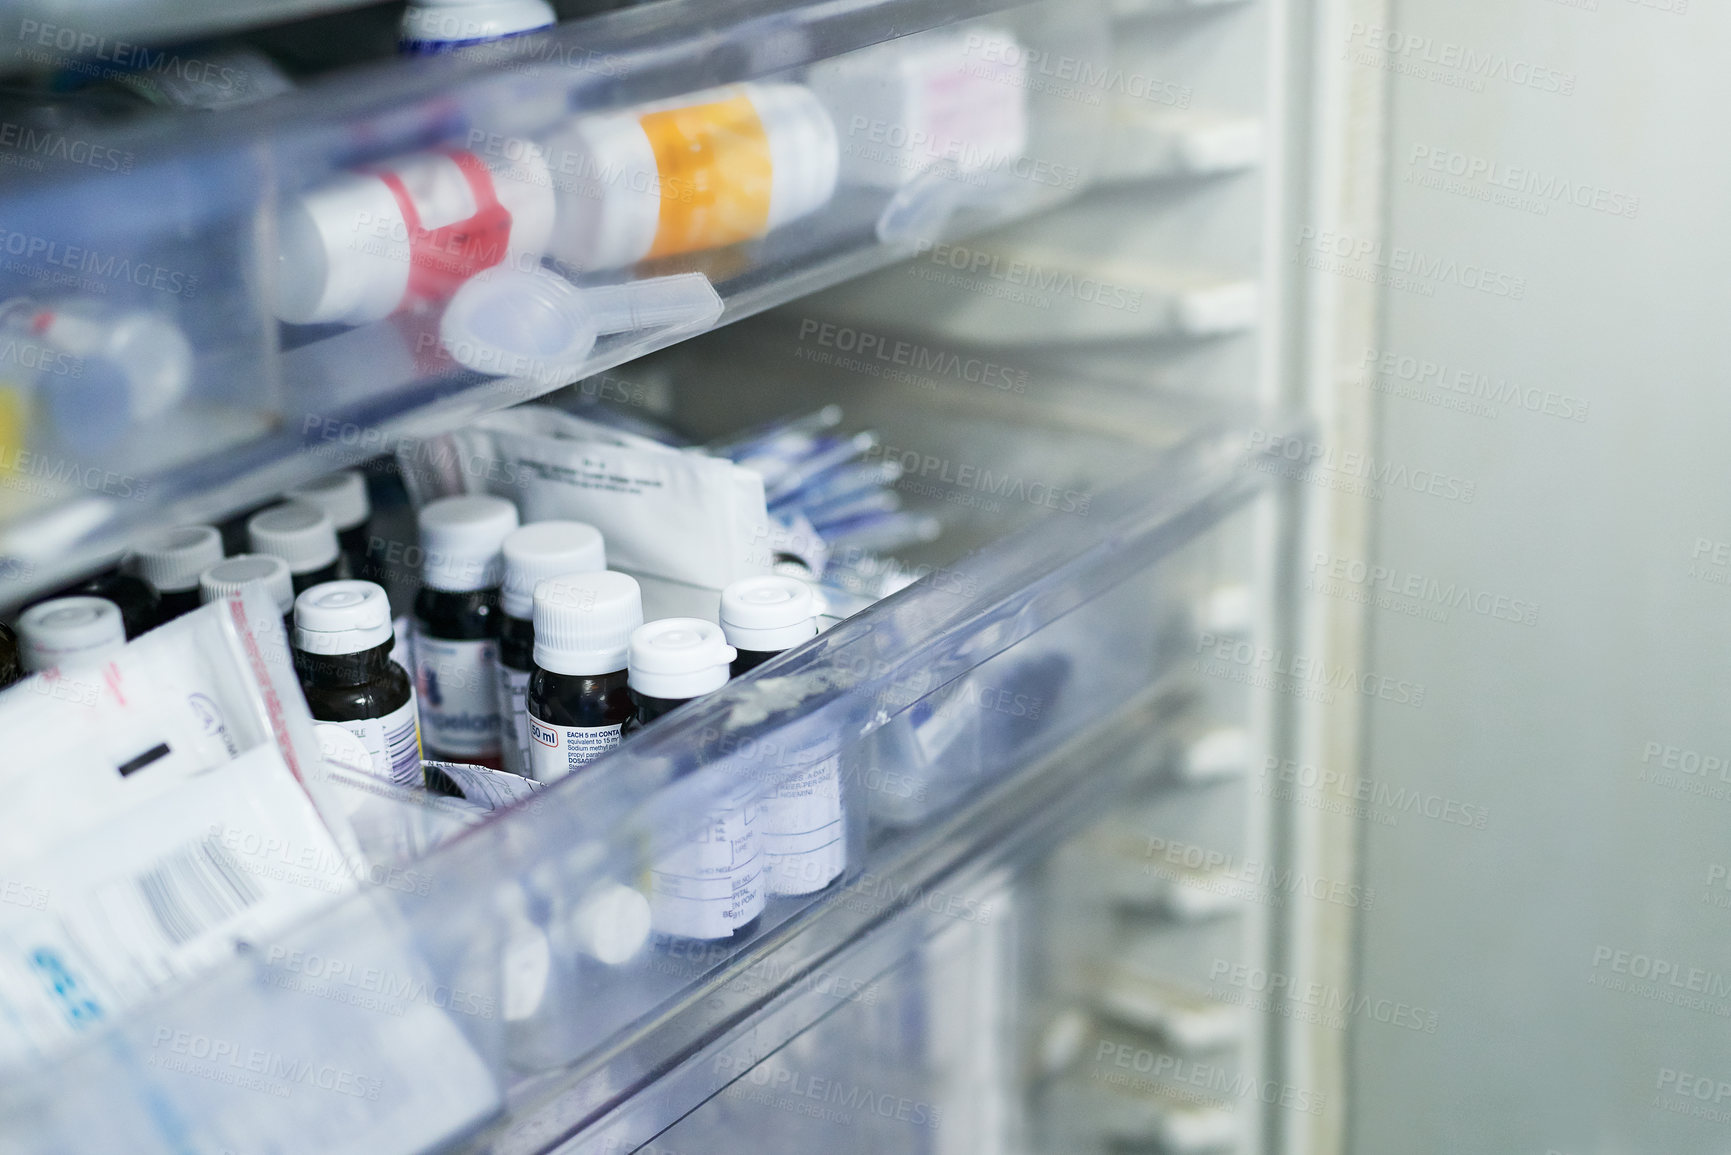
(1503, 932)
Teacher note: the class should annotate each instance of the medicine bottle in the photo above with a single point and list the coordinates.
(456, 626)
(67, 633)
(343, 497)
(171, 560)
(710, 169)
(547, 549)
(11, 668)
(578, 702)
(139, 604)
(228, 576)
(711, 885)
(342, 653)
(303, 536)
(801, 816)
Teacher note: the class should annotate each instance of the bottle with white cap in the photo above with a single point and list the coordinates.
(802, 820)
(228, 576)
(171, 560)
(705, 170)
(456, 627)
(303, 536)
(710, 887)
(434, 27)
(546, 549)
(343, 496)
(578, 702)
(342, 653)
(70, 632)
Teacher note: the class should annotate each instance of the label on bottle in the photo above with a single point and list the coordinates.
(514, 719)
(555, 751)
(804, 843)
(713, 885)
(715, 171)
(456, 684)
(393, 743)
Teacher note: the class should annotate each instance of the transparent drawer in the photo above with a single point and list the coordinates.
(221, 306)
(520, 988)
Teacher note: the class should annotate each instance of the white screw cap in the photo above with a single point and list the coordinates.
(226, 577)
(341, 495)
(462, 537)
(301, 534)
(583, 622)
(342, 617)
(679, 658)
(769, 614)
(70, 632)
(547, 549)
(172, 559)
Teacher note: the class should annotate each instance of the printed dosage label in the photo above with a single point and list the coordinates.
(555, 751)
(804, 844)
(713, 885)
(514, 719)
(393, 743)
(455, 682)
(715, 173)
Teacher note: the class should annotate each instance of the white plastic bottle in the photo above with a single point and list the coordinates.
(68, 633)
(546, 549)
(456, 647)
(711, 887)
(710, 169)
(409, 232)
(951, 97)
(433, 27)
(804, 832)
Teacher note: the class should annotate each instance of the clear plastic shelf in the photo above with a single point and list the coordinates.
(394, 250)
(500, 993)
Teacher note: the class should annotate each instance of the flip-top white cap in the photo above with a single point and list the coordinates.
(583, 622)
(70, 632)
(300, 534)
(462, 537)
(769, 614)
(341, 495)
(679, 658)
(226, 577)
(547, 549)
(172, 559)
(342, 617)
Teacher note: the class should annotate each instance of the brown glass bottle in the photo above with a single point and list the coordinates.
(140, 605)
(11, 669)
(342, 655)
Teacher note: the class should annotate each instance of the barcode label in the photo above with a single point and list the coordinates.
(198, 887)
(402, 732)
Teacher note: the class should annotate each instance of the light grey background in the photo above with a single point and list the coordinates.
(1497, 930)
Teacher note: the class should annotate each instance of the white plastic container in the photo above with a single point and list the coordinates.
(711, 169)
(433, 27)
(956, 96)
(409, 232)
(69, 632)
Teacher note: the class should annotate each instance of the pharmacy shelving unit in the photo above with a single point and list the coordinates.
(1015, 960)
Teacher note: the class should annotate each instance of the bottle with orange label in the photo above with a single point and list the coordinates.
(713, 168)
